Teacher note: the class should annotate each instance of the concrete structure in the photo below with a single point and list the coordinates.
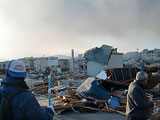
(72, 61)
(101, 58)
(148, 55)
(64, 65)
(93, 68)
(29, 63)
(3, 65)
(42, 63)
(132, 55)
(3, 68)
(79, 64)
(115, 61)
(82, 65)
(53, 63)
(151, 54)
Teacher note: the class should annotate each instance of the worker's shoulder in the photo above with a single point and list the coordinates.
(24, 95)
(24, 100)
(134, 87)
(26, 92)
(134, 84)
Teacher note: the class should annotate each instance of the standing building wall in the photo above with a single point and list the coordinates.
(93, 68)
(115, 61)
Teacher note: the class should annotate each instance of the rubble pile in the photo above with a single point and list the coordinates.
(95, 94)
(41, 88)
(69, 100)
(153, 81)
(77, 76)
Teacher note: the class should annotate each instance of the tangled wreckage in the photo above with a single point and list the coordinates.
(105, 93)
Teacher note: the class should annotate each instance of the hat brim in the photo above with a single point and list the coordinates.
(15, 74)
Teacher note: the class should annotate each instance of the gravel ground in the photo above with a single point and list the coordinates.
(83, 116)
(90, 116)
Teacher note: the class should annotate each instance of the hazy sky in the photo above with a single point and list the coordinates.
(51, 27)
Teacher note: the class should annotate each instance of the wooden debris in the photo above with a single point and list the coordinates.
(71, 101)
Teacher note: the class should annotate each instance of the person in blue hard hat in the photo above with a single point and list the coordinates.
(138, 105)
(16, 102)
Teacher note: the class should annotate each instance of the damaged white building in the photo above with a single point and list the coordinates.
(101, 58)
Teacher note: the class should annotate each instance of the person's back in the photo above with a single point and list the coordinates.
(22, 106)
(137, 107)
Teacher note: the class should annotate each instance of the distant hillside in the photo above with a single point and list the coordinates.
(62, 56)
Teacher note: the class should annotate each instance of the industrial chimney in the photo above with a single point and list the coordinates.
(72, 60)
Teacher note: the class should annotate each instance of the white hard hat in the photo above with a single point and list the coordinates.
(16, 68)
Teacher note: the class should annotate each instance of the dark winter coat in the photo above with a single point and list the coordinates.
(24, 105)
(137, 102)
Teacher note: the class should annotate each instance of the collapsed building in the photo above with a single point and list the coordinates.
(101, 58)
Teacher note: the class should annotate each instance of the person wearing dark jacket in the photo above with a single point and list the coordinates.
(138, 105)
(24, 105)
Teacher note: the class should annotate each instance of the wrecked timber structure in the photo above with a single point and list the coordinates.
(95, 94)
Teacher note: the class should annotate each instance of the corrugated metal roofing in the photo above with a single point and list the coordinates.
(100, 55)
(91, 88)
